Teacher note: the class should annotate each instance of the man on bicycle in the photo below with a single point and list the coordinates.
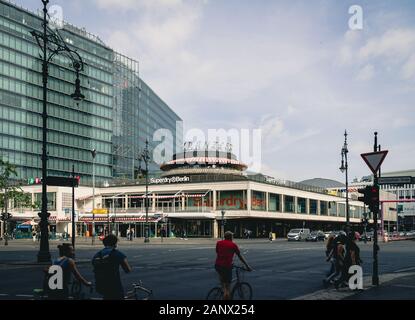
(225, 250)
(106, 268)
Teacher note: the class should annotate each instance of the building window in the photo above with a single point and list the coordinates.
(332, 209)
(323, 208)
(51, 196)
(313, 206)
(289, 205)
(301, 205)
(274, 202)
(342, 209)
(258, 201)
(231, 200)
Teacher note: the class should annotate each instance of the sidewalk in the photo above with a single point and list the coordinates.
(400, 288)
(392, 286)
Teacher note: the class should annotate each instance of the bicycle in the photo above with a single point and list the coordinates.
(241, 290)
(139, 292)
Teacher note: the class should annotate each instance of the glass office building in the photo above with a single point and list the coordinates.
(119, 111)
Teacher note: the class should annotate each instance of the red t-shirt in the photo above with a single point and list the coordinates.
(225, 249)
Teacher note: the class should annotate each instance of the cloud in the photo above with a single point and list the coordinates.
(133, 5)
(397, 43)
(366, 73)
(408, 69)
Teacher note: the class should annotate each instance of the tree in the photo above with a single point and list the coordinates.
(10, 191)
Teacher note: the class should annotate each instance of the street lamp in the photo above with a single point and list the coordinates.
(51, 43)
(93, 153)
(145, 156)
(344, 168)
(223, 224)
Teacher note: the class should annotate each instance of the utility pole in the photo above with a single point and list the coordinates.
(223, 224)
(73, 208)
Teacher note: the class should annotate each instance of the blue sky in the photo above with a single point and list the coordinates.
(292, 68)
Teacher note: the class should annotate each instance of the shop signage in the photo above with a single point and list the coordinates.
(100, 211)
(176, 179)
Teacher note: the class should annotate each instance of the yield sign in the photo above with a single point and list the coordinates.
(374, 159)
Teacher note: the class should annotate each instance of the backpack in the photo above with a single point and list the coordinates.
(58, 294)
(105, 270)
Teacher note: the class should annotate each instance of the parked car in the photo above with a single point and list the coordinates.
(410, 233)
(316, 236)
(368, 236)
(327, 234)
(298, 234)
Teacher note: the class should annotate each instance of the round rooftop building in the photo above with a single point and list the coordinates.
(203, 162)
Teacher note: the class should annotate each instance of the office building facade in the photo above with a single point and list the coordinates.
(119, 113)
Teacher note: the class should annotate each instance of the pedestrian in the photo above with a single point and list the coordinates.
(342, 267)
(270, 237)
(225, 250)
(68, 265)
(107, 263)
(34, 235)
(132, 234)
(128, 234)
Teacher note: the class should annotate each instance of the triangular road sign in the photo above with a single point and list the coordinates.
(374, 159)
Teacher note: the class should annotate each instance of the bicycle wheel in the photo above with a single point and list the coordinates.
(215, 294)
(242, 291)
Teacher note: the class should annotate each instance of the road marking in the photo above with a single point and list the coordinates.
(3, 294)
(202, 259)
(24, 295)
(404, 270)
(404, 286)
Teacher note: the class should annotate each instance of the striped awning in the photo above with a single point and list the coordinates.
(120, 219)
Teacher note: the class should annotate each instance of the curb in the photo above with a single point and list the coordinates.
(333, 294)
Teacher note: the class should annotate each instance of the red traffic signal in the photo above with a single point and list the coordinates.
(370, 197)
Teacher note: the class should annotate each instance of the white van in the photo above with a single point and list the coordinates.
(298, 234)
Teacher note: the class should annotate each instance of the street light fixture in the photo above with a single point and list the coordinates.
(145, 157)
(51, 43)
(344, 168)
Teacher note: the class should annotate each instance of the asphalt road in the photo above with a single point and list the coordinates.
(183, 269)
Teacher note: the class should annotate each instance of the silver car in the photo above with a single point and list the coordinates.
(298, 234)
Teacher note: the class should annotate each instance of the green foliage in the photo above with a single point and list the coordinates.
(11, 190)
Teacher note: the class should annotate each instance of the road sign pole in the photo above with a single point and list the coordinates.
(375, 275)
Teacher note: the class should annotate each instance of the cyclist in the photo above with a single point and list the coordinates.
(68, 265)
(225, 250)
(107, 272)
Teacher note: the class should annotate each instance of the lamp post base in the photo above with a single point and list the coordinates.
(43, 256)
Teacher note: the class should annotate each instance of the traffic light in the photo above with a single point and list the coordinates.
(366, 195)
(374, 197)
(370, 197)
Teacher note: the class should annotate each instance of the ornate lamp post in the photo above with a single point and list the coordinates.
(145, 157)
(93, 153)
(51, 43)
(344, 168)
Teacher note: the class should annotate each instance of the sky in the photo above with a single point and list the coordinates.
(294, 69)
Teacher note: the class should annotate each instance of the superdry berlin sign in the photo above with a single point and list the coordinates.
(176, 179)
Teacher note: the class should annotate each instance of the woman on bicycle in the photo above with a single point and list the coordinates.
(68, 265)
(225, 250)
